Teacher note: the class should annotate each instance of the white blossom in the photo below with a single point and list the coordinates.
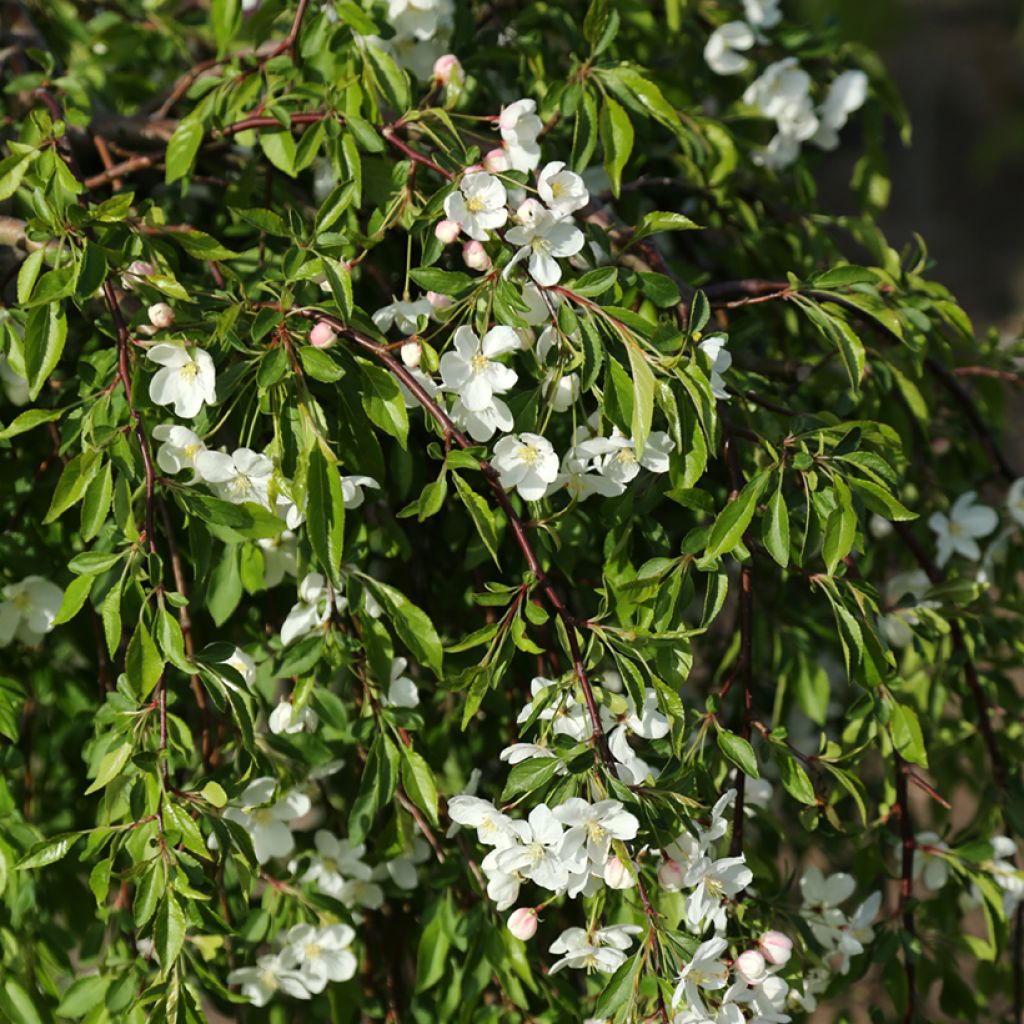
(28, 609)
(1015, 501)
(15, 386)
(846, 94)
(288, 719)
(520, 126)
(186, 380)
(352, 489)
(481, 424)
(471, 369)
(179, 450)
(407, 316)
(723, 50)
(242, 476)
(592, 827)
(241, 663)
(265, 819)
(762, 13)
(620, 463)
(526, 462)
(492, 827)
(931, 867)
(714, 348)
(562, 190)
(313, 609)
(705, 970)
(402, 691)
(543, 239)
(602, 950)
(320, 955)
(959, 531)
(259, 984)
(479, 205)
(280, 557)
(538, 853)
(714, 881)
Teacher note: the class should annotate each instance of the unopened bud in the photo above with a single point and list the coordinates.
(448, 68)
(776, 947)
(136, 269)
(522, 923)
(475, 256)
(322, 335)
(447, 231)
(617, 875)
(751, 967)
(439, 301)
(496, 161)
(670, 875)
(160, 315)
(411, 353)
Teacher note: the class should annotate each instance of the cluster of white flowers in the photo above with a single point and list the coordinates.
(310, 958)
(28, 609)
(563, 715)
(783, 90)
(755, 986)
(842, 935)
(959, 532)
(933, 868)
(422, 32)
(691, 863)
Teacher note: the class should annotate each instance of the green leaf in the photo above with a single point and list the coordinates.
(169, 932)
(340, 199)
(906, 734)
(29, 272)
(110, 613)
(657, 221)
(319, 365)
(620, 988)
(616, 139)
(29, 420)
(202, 246)
(481, 514)
(183, 148)
(17, 1005)
(12, 170)
(326, 516)
(530, 775)
(251, 521)
(226, 17)
(418, 780)
(596, 282)
(265, 220)
(339, 279)
(392, 81)
(74, 597)
(46, 330)
(73, 482)
(840, 529)
(734, 519)
(97, 502)
(796, 780)
(643, 397)
(412, 624)
(111, 766)
(776, 527)
(445, 282)
(214, 793)
(839, 277)
(279, 148)
(879, 500)
(49, 851)
(383, 402)
(144, 664)
(225, 590)
(739, 751)
(83, 995)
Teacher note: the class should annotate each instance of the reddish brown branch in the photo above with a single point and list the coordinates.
(902, 808)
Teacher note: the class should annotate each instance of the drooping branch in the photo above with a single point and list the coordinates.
(902, 808)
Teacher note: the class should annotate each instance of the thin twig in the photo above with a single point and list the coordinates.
(902, 808)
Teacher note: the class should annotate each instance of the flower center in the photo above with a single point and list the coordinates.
(541, 245)
(955, 529)
(191, 450)
(262, 816)
(189, 371)
(528, 453)
(22, 601)
(479, 363)
(596, 831)
(475, 204)
(536, 853)
(713, 886)
(625, 456)
(312, 951)
(238, 485)
(330, 866)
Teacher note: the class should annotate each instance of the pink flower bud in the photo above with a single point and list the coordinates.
(447, 231)
(475, 256)
(617, 875)
(473, 168)
(135, 270)
(160, 315)
(670, 875)
(322, 335)
(411, 352)
(522, 923)
(750, 966)
(776, 947)
(439, 301)
(447, 68)
(496, 161)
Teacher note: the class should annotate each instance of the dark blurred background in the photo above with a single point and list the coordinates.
(959, 65)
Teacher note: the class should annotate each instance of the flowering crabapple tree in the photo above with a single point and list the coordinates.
(480, 541)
